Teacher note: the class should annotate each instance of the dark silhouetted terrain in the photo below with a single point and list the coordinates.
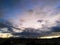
(30, 41)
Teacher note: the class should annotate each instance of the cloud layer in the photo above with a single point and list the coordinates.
(49, 14)
(42, 15)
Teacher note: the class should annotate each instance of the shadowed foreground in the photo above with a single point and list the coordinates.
(24, 41)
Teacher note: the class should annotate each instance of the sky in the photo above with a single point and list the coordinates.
(38, 14)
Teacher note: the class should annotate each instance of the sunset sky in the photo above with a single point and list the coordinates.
(38, 14)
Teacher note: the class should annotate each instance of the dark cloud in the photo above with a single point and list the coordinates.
(32, 33)
(6, 24)
(57, 27)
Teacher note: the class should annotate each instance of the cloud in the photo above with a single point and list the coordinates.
(34, 10)
(31, 33)
(47, 11)
(57, 27)
(5, 25)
